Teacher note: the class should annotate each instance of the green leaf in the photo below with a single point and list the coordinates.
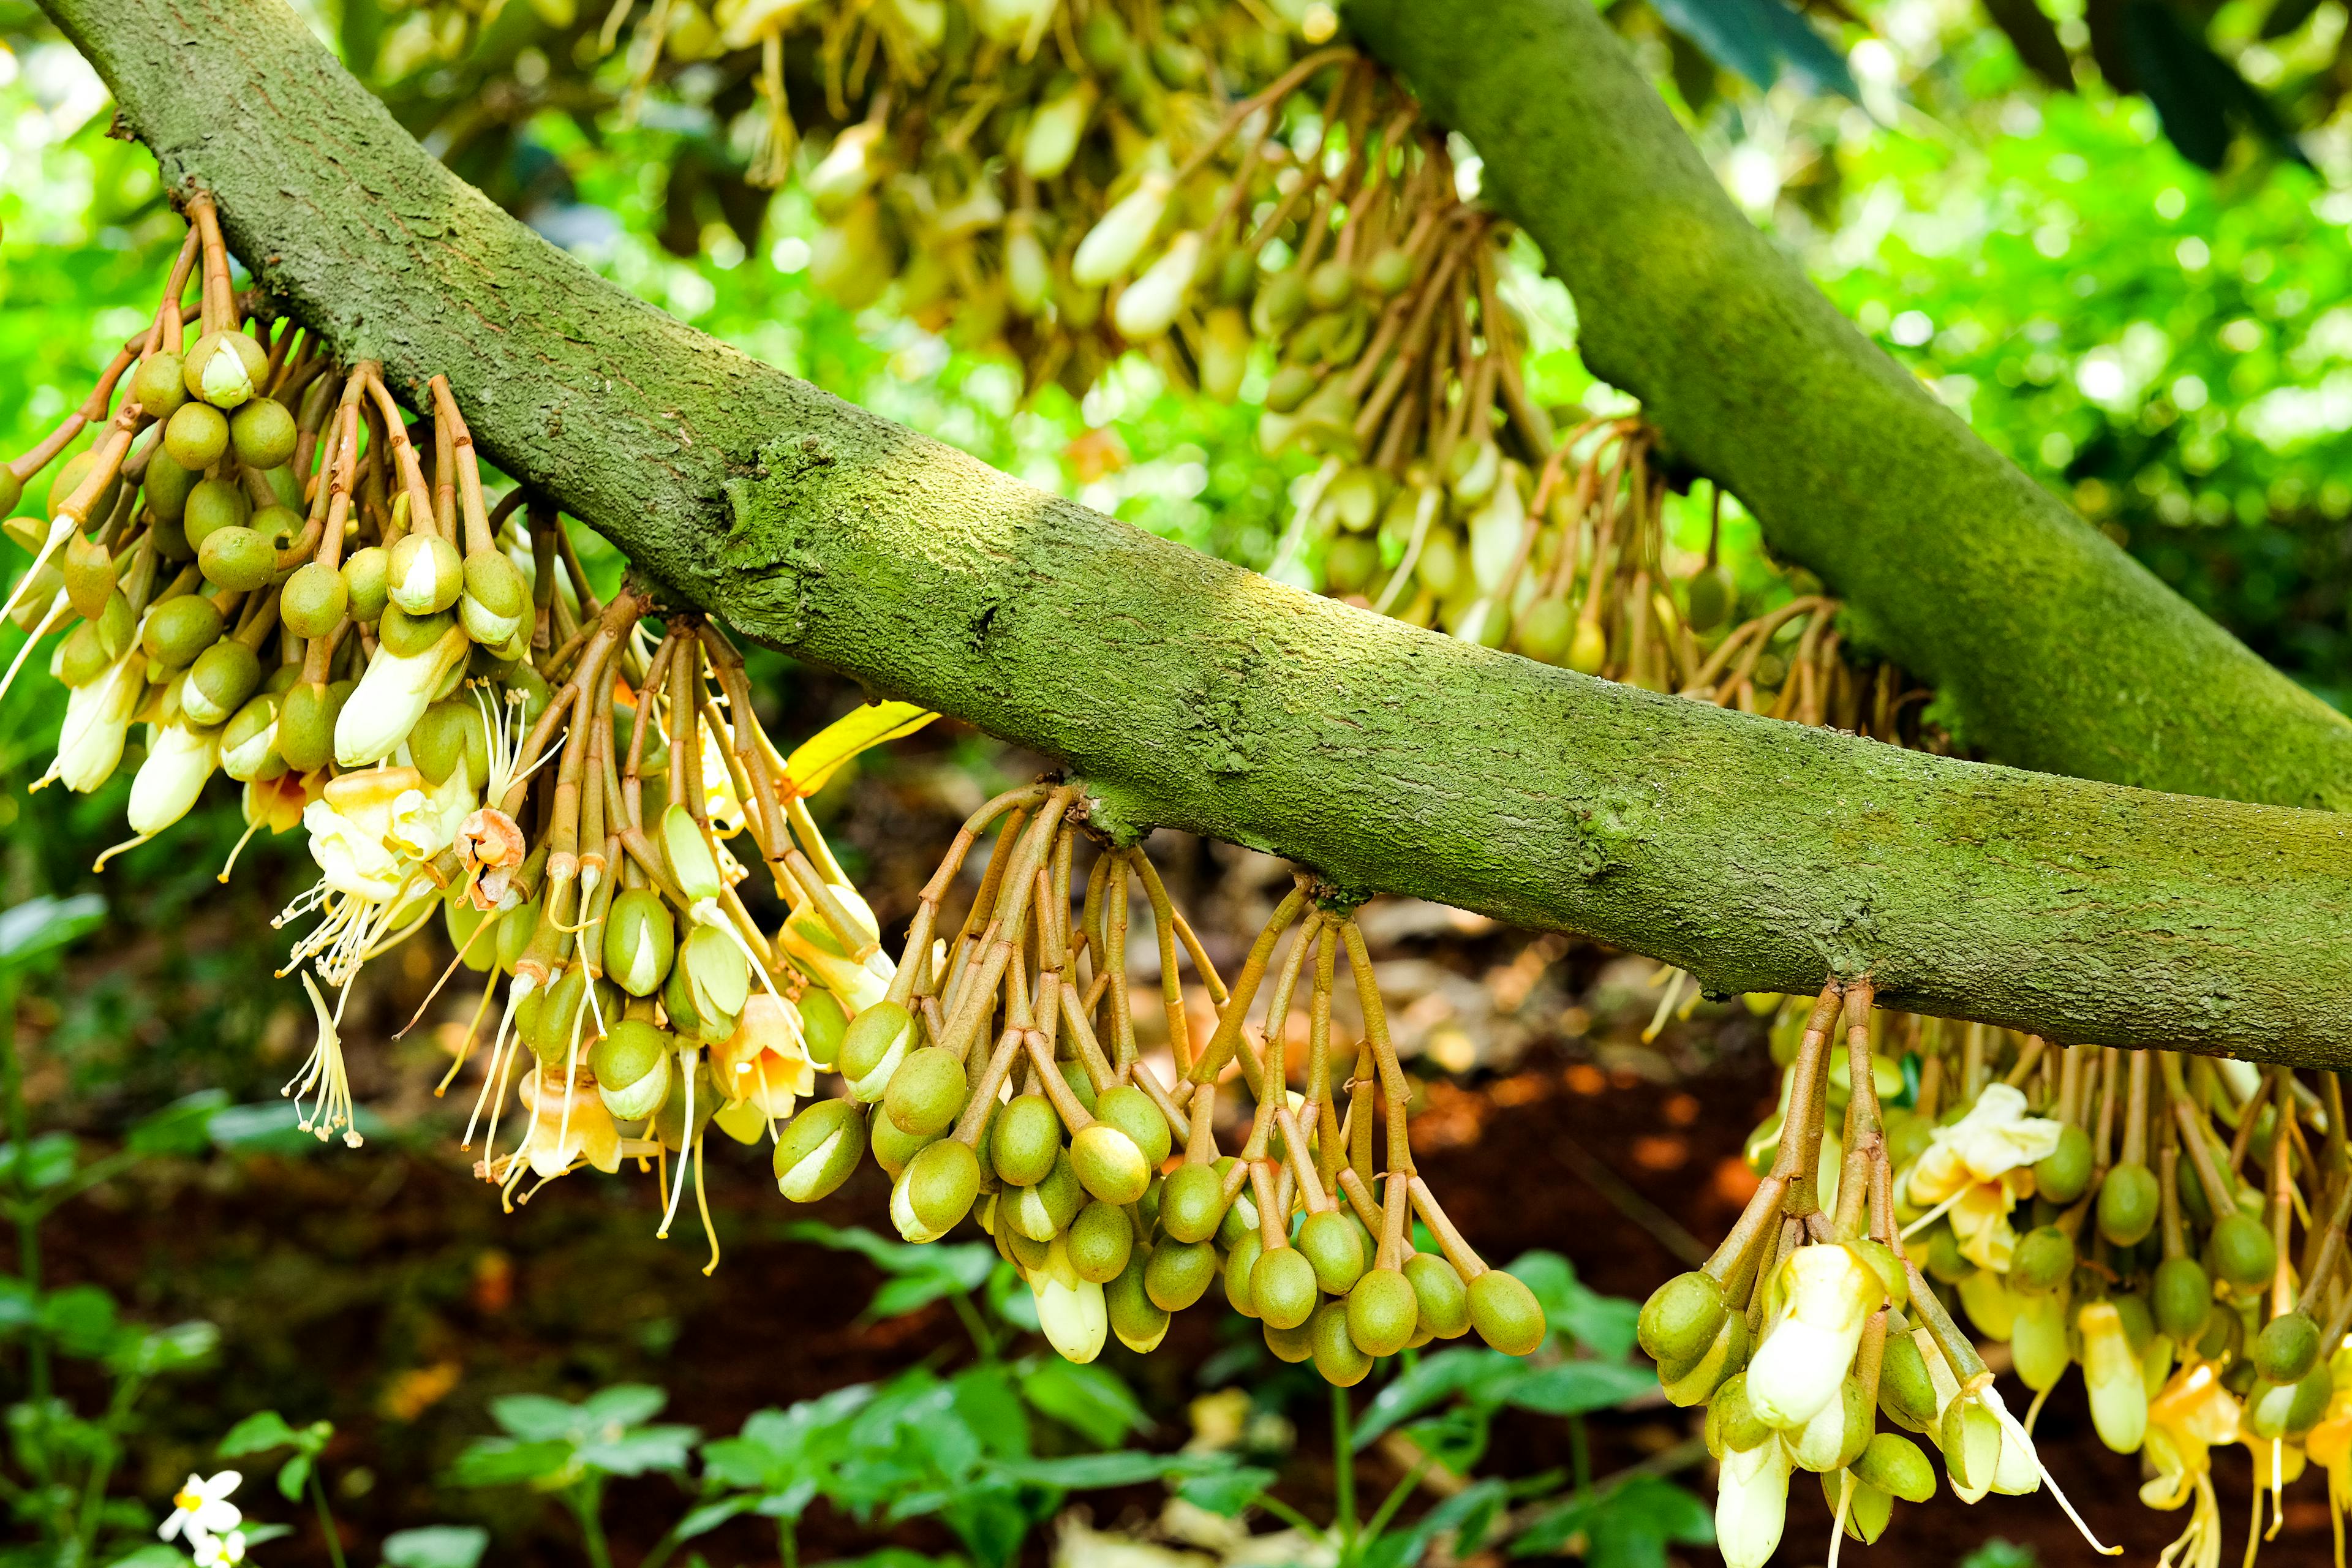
(702, 1520)
(985, 1399)
(535, 1416)
(167, 1350)
(154, 1554)
(262, 1429)
(623, 1405)
(1469, 1513)
(292, 1476)
(1757, 39)
(642, 1450)
(1574, 1387)
(47, 1162)
(82, 1318)
(1628, 1526)
(2200, 96)
(1091, 1400)
(1120, 1467)
(436, 1546)
(182, 1127)
(1227, 1492)
(1439, 1377)
(40, 926)
(506, 1462)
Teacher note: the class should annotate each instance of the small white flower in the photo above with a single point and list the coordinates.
(220, 1550)
(201, 1509)
(1993, 1139)
(1805, 1360)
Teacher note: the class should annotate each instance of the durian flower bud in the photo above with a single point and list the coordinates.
(1071, 1309)
(392, 697)
(877, 1040)
(811, 944)
(819, 1149)
(426, 574)
(640, 941)
(1052, 138)
(1111, 247)
(1798, 1367)
(1149, 306)
(1896, 1465)
(716, 973)
(224, 368)
(1751, 1504)
(98, 722)
(632, 1064)
(847, 171)
(692, 865)
(218, 683)
(249, 740)
(1838, 1432)
(1020, 22)
(2112, 1374)
(936, 1190)
(1868, 1509)
(495, 599)
(179, 760)
(2037, 1339)
(1028, 274)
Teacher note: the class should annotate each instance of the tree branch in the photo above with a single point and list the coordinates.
(1190, 693)
(2062, 653)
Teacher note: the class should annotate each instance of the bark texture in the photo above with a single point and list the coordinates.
(2062, 653)
(1760, 856)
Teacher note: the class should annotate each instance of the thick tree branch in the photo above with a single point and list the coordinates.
(1190, 693)
(2062, 653)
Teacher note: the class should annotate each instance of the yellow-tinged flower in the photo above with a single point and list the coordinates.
(179, 760)
(2191, 1414)
(373, 834)
(1993, 1139)
(98, 723)
(1805, 1357)
(1071, 1309)
(2112, 1372)
(391, 696)
(815, 759)
(568, 1123)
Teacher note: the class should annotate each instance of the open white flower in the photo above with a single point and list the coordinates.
(1975, 1171)
(372, 833)
(201, 1508)
(220, 1550)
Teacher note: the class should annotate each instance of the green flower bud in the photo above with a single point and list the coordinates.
(876, 1040)
(2287, 1347)
(2183, 1297)
(819, 1149)
(1280, 302)
(88, 571)
(195, 436)
(220, 680)
(1293, 1344)
(404, 636)
(1241, 1264)
(1383, 1312)
(516, 926)
(224, 369)
(495, 599)
(249, 742)
(935, 1192)
(1100, 1241)
(1140, 1322)
(1130, 1111)
(1906, 1392)
(367, 584)
(427, 575)
(1506, 1313)
(2044, 1261)
(306, 725)
(2243, 1252)
(640, 939)
(1081, 1087)
(237, 559)
(1043, 1212)
(2064, 1173)
(1291, 386)
(1732, 1424)
(893, 1148)
(669, 1123)
(1444, 1301)
(1679, 1320)
(1711, 595)
(1109, 1164)
(449, 736)
(568, 1020)
(214, 503)
(2128, 1200)
(824, 1026)
(1330, 1244)
(1336, 1355)
(1191, 1203)
(1282, 1287)
(177, 631)
(691, 864)
(157, 384)
(168, 482)
(1179, 1273)
(263, 433)
(277, 523)
(1026, 1136)
(927, 1092)
(1896, 1465)
(1389, 273)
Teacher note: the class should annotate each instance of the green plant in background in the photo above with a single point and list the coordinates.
(265, 1430)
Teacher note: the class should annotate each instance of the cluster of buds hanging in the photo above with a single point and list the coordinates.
(2173, 1226)
(1002, 1069)
(1810, 1323)
(265, 564)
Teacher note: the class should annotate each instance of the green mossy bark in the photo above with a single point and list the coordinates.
(2061, 653)
(1760, 856)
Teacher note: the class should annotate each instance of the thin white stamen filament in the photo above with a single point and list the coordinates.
(677, 1187)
